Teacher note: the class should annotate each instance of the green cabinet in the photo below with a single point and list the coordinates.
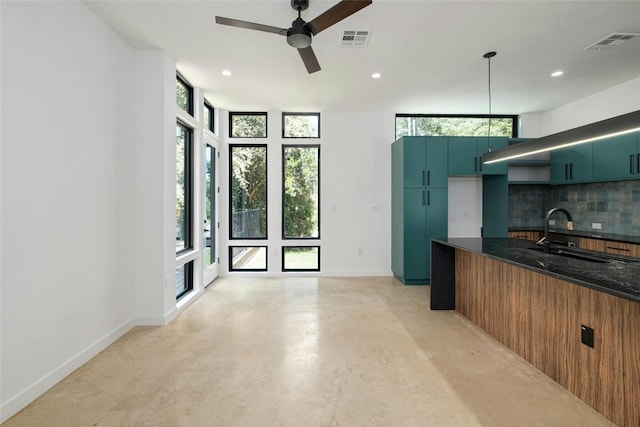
(421, 169)
(617, 158)
(425, 216)
(495, 206)
(572, 165)
(465, 155)
(419, 204)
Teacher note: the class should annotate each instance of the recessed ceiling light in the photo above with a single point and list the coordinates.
(557, 73)
(226, 73)
(376, 75)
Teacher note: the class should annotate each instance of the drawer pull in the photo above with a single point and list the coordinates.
(617, 249)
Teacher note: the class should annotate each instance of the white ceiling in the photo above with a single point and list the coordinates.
(430, 53)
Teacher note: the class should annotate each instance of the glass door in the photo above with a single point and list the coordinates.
(210, 255)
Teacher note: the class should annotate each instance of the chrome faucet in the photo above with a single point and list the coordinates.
(546, 244)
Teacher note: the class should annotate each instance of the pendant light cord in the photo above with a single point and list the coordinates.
(489, 55)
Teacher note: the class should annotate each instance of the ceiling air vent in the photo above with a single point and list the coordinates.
(612, 40)
(356, 38)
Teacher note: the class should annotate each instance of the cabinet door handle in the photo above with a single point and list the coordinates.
(618, 249)
(423, 198)
(428, 177)
(566, 171)
(570, 170)
(631, 163)
(638, 164)
(428, 198)
(423, 177)
(475, 164)
(480, 163)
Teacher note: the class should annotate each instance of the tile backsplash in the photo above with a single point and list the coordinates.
(615, 205)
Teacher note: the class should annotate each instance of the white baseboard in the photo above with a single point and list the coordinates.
(354, 273)
(151, 320)
(324, 273)
(16, 403)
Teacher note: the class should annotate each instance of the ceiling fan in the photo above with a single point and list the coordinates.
(300, 33)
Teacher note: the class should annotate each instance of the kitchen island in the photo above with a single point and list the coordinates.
(577, 320)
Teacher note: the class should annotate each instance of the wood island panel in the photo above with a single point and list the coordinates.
(539, 317)
(609, 246)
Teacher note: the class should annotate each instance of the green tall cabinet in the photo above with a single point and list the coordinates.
(419, 204)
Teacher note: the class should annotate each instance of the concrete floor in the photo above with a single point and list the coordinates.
(309, 352)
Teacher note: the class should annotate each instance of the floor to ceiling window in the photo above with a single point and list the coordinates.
(184, 188)
(300, 193)
(248, 205)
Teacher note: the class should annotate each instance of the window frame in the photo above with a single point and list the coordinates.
(282, 216)
(188, 186)
(285, 114)
(210, 198)
(232, 114)
(266, 191)
(208, 107)
(189, 87)
(288, 270)
(188, 275)
(513, 117)
(266, 261)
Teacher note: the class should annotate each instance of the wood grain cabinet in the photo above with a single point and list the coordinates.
(534, 236)
(419, 204)
(609, 246)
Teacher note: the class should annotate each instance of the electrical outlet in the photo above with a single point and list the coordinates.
(587, 335)
(596, 226)
(552, 222)
(360, 251)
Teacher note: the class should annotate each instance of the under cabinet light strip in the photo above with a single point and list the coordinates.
(620, 125)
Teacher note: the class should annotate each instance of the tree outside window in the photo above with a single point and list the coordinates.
(301, 175)
(454, 126)
(248, 191)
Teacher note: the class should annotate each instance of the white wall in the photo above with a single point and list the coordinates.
(356, 193)
(152, 148)
(88, 193)
(66, 229)
(618, 100)
(465, 207)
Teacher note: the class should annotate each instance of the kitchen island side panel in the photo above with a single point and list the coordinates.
(540, 318)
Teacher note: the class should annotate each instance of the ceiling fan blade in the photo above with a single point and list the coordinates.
(336, 14)
(309, 59)
(251, 25)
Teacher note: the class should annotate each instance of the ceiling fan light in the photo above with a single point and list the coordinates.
(299, 41)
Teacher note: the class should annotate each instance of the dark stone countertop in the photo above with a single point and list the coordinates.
(593, 234)
(619, 277)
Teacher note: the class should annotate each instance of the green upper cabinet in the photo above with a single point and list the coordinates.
(423, 162)
(500, 168)
(617, 158)
(572, 165)
(465, 155)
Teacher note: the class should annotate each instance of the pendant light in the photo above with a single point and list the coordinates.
(488, 56)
